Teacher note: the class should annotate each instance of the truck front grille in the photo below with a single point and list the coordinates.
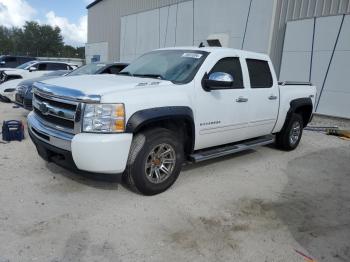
(57, 113)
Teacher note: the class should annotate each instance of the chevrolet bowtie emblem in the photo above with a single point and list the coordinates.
(44, 108)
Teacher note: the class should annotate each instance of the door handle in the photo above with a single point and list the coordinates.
(241, 99)
(272, 97)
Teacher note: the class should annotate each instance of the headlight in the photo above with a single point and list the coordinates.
(22, 89)
(104, 118)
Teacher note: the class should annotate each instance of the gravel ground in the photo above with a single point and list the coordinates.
(260, 205)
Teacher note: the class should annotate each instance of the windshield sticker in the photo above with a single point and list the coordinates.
(192, 55)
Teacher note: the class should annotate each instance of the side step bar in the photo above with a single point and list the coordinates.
(231, 149)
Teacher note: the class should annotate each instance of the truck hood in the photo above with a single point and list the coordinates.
(29, 82)
(15, 71)
(7, 69)
(104, 84)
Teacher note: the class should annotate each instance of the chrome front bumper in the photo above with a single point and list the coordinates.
(49, 135)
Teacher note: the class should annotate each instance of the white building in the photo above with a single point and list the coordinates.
(308, 40)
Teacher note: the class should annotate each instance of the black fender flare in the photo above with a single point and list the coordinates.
(297, 103)
(148, 116)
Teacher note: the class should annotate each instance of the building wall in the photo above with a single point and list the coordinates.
(288, 10)
(105, 18)
(299, 35)
(104, 21)
(246, 24)
(318, 50)
(96, 52)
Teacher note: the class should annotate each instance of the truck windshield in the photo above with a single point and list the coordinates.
(178, 66)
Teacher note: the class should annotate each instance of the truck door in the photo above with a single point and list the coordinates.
(222, 116)
(264, 97)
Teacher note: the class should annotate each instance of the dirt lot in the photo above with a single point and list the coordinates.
(261, 205)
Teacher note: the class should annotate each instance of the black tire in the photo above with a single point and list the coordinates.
(284, 138)
(143, 144)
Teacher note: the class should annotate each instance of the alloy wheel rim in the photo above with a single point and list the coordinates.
(160, 163)
(295, 133)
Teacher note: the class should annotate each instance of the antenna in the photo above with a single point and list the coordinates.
(201, 45)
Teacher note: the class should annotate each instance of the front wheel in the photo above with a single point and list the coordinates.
(155, 161)
(290, 135)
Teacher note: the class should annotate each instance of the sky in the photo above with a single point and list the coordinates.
(69, 15)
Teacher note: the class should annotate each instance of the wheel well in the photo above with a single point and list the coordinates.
(305, 112)
(180, 126)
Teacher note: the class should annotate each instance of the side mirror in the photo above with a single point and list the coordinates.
(32, 68)
(217, 81)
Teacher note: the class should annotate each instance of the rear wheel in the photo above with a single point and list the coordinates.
(290, 136)
(155, 161)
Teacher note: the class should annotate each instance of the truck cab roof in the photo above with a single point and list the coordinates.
(237, 52)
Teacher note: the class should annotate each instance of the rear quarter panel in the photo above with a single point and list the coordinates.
(288, 93)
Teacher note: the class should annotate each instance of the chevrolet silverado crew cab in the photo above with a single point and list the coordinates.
(168, 107)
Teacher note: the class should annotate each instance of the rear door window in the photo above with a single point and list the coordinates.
(259, 73)
(42, 67)
(56, 66)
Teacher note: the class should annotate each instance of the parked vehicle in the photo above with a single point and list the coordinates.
(8, 89)
(99, 68)
(7, 61)
(34, 69)
(24, 94)
(168, 106)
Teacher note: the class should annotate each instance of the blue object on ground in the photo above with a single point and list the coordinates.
(12, 130)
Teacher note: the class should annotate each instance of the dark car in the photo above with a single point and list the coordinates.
(24, 95)
(7, 61)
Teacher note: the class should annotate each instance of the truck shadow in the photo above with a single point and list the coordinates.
(99, 181)
(112, 182)
(315, 204)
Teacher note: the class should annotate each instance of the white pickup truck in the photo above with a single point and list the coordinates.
(167, 107)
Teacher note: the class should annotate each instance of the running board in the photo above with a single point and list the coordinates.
(231, 149)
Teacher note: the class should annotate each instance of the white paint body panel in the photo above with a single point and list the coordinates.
(9, 85)
(289, 93)
(101, 153)
(26, 74)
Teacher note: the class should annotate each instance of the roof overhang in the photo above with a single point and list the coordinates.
(93, 3)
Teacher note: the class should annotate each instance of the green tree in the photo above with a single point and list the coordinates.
(81, 52)
(36, 40)
(6, 43)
